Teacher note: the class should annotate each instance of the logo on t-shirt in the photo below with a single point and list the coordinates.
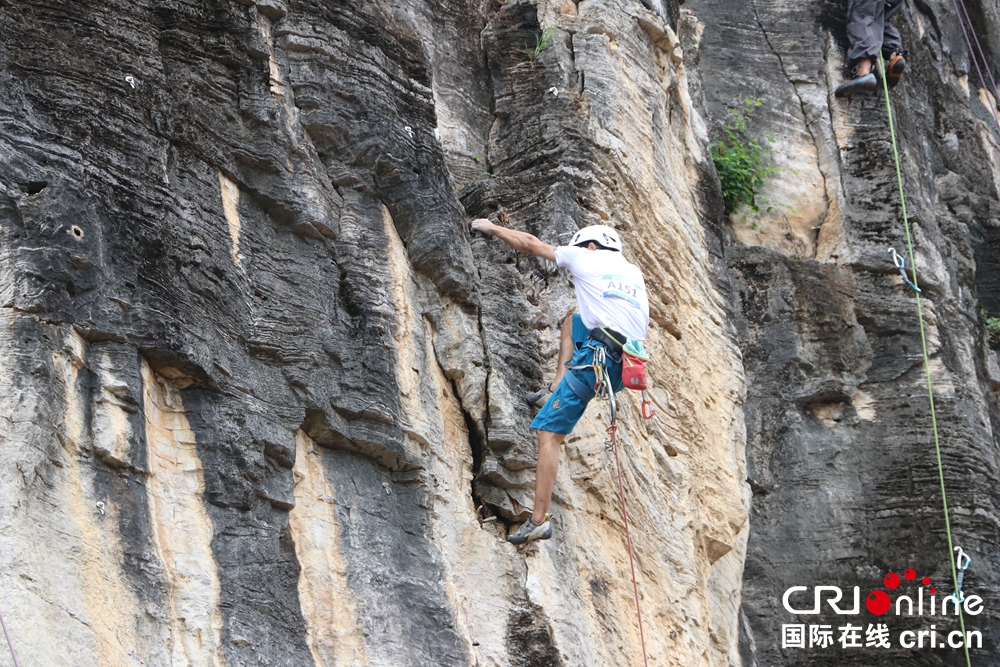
(615, 286)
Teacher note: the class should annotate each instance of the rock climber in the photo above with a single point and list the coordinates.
(613, 306)
(869, 31)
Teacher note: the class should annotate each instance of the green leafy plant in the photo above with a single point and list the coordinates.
(485, 172)
(543, 40)
(992, 327)
(740, 160)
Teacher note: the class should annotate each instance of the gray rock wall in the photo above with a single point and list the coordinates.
(840, 450)
(261, 389)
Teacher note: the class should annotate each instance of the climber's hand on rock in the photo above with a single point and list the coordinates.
(483, 225)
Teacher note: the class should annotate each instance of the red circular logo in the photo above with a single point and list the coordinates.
(878, 602)
(891, 580)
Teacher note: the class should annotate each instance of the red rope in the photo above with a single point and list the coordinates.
(612, 431)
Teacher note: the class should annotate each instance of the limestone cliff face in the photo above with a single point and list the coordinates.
(261, 388)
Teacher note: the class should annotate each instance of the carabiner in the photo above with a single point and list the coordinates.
(647, 403)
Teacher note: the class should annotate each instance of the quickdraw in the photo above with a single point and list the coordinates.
(602, 383)
(962, 561)
(900, 263)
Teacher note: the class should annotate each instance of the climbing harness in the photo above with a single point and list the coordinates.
(10, 644)
(634, 359)
(900, 263)
(923, 343)
(962, 562)
(602, 384)
(602, 381)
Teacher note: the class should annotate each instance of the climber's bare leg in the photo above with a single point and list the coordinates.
(565, 350)
(545, 472)
(864, 66)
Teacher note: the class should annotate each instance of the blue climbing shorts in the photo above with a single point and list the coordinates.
(566, 406)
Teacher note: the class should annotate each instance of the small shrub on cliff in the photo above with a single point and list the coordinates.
(485, 173)
(543, 40)
(992, 328)
(740, 160)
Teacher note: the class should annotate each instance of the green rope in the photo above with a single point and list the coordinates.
(927, 365)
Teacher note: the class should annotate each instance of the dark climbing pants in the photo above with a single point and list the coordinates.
(869, 30)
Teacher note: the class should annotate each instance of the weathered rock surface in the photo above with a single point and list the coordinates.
(840, 450)
(261, 389)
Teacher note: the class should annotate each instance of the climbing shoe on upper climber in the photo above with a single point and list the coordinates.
(857, 84)
(530, 532)
(894, 69)
(870, 31)
(536, 399)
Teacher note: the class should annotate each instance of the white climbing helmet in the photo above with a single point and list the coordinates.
(599, 234)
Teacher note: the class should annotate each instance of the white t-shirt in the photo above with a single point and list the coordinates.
(610, 291)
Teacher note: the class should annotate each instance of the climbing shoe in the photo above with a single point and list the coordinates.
(530, 532)
(894, 69)
(857, 84)
(536, 399)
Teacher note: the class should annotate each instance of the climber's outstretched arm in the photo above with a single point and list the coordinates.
(520, 241)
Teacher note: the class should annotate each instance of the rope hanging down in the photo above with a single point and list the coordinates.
(972, 55)
(613, 436)
(923, 343)
(10, 644)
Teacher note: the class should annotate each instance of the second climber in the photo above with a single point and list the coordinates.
(869, 32)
